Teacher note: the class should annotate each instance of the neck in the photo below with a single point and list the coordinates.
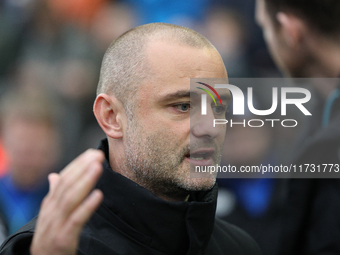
(162, 189)
(323, 62)
(117, 158)
(325, 58)
(173, 194)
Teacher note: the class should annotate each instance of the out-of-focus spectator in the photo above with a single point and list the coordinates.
(227, 31)
(30, 138)
(72, 83)
(303, 38)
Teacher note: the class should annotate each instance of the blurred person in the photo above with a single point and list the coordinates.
(304, 40)
(227, 30)
(72, 83)
(30, 138)
(151, 205)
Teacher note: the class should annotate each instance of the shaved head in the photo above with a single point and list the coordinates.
(125, 63)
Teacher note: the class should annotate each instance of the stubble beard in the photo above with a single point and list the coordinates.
(157, 163)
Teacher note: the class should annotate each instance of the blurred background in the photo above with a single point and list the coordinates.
(50, 57)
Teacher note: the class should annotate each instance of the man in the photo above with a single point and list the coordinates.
(304, 40)
(151, 205)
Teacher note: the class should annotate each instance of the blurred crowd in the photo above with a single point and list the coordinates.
(50, 57)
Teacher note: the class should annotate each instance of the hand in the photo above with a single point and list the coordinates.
(68, 205)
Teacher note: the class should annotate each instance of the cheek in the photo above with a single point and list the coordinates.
(162, 121)
(221, 137)
(169, 136)
(271, 41)
(279, 50)
(146, 115)
(276, 50)
(171, 132)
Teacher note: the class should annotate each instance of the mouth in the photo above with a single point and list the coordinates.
(201, 157)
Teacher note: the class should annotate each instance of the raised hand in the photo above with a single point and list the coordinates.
(68, 205)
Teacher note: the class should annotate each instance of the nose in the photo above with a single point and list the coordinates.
(202, 126)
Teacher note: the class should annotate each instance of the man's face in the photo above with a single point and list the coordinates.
(159, 135)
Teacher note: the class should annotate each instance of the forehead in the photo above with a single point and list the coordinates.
(172, 65)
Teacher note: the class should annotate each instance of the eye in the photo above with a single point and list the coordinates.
(220, 109)
(185, 107)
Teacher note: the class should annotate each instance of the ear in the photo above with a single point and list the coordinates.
(110, 114)
(293, 29)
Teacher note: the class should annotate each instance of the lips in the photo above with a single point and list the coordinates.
(201, 157)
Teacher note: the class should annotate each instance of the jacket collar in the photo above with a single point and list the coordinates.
(169, 227)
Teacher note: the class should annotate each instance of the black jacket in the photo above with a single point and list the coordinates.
(132, 220)
(3, 228)
(311, 223)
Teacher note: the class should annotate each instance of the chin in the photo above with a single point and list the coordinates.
(198, 184)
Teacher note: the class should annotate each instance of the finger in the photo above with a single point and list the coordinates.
(82, 160)
(75, 170)
(53, 179)
(63, 239)
(80, 189)
(82, 214)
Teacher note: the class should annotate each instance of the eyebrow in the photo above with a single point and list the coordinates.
(185, 93)
(177, 95)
